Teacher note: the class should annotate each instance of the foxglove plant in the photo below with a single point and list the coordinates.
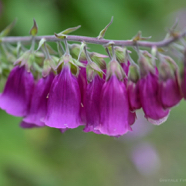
(81, 88)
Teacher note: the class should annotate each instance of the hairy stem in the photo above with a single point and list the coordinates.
(93, 40)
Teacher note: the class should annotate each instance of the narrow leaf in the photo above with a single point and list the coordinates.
(41, 43)
(69, 30)
(102, 33)
(7, 30)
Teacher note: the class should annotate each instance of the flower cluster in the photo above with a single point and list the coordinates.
(101, 96)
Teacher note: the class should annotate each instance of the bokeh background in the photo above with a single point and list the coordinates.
(44, 157)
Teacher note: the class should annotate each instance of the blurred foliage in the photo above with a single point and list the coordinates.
(45, 157)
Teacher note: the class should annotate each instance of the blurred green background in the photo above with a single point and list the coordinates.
(45, 157)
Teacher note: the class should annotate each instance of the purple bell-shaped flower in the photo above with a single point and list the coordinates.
(92, 104)
(152, 108)
(169, 89)
(17, 93)
(149, 87)
(38, 106)
(114, 106)
(64, 102)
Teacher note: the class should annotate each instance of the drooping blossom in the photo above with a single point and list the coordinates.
(169, 89)
(38, 105)
(64, 102)
(169, 92)
(153, 110)
(17, 93)
(92, 104)
(114, 106)
(134, 95)
(82, 80)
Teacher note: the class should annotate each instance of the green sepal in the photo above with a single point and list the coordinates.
(46, 67)
(67, 59)
(98, 59)
(91, 70)
(115, 68)
(75, 50)
(78, 63)
(54, 62)
(145, 65)
(165, 71)
(133, 73)
(27, 59)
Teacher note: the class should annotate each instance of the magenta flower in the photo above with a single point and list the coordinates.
(183, 83)
(114, 108)
(64, 102)
(152, 108)
(169, 92)
(92, 104)
(125, 67)
(17, 93)
(131, 117)
(38, 106)
(82, 80)
(134, 95)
